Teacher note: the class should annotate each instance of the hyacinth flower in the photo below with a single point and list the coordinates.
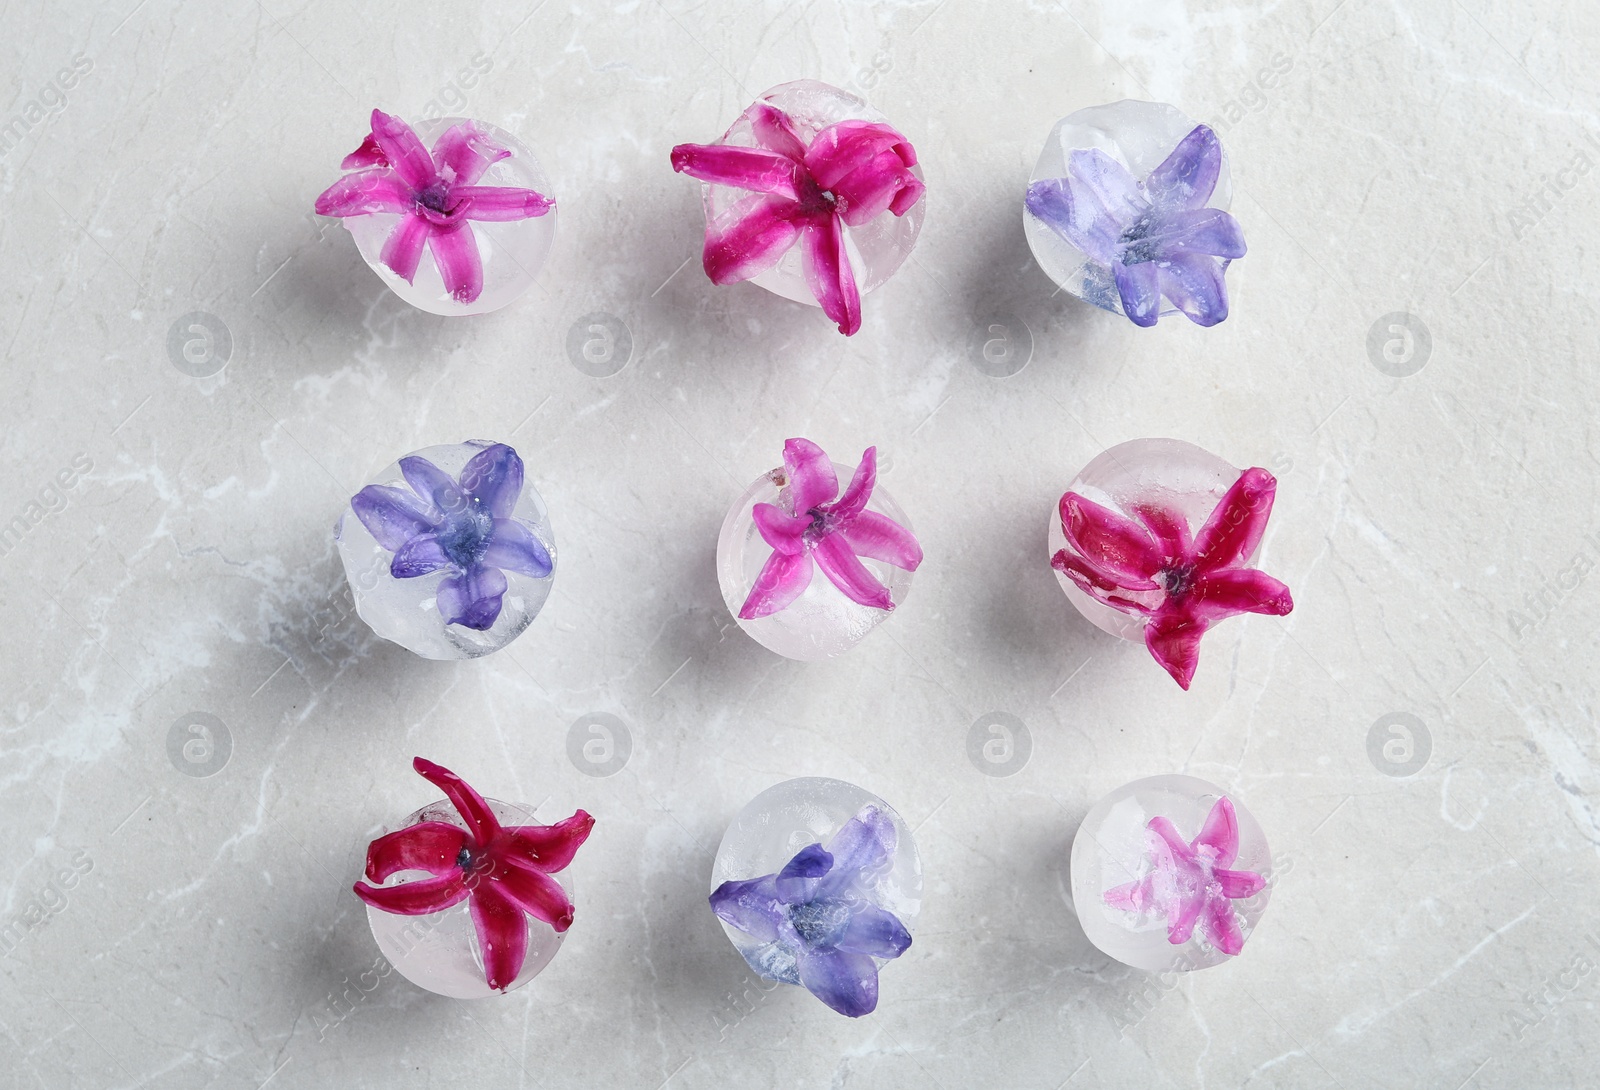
(460, 526)
(1157, 237)
(1189, 882)
(436, 194)
(816, 919)
(502, 872)
(1126, 563)
(850, 173)
(832, 531)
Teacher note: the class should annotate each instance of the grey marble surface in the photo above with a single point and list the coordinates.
(1433, 159)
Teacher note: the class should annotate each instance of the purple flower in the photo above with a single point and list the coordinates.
(835, 532)
(464, 527)
(1157, 237)
(816, 920)
(1190, 883)
(437, 194)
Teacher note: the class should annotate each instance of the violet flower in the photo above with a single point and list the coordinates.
(464, 527)
(436, 194)
(1190, 883)
(1157, 237)
(816, 919)
(503, 873)
(852, 172)
(1126, 563)
(833, 532)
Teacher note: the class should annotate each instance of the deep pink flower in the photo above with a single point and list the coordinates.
(852, 172)
(503, 872)
(1191, 883)
(835, 532)
(437, 194)
(1150, 567)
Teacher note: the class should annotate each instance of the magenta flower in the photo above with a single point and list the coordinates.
(436, 194)
(1190, 883)
(852, 172)
(503, 873)
(834, 532)
(1182, 587)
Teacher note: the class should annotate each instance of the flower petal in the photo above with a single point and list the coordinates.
(774, 131)
(472, 600)
(755, 169)
(502, 933)
(1194, 284)
(460, 264)
(402, 250)
(1135, 896)
(828, 272)
(846, 982)
(1220, 833)
(514, 547)
(863, 850)
(812, 481)
(1221, 928)
(1097, 584)
(1139, 287)
(797, 881)
(879, 537)
(782, 580)
(392, 515)
(1235, 527)
(365, 192)
(750, 906)
(421, 555)
(841, 565)
(1239, 884)
(402, 150)
(500, 203)
(433, 484)
(417, 898)
(748, 238)
(1173, 639)
(1110, 542)
(874, 931)
(493, 477)
(1188, 176)
(465, 151)
(1223, 593)
(1170, 528)
(535, 893)
(843, 148)
(432, 846)
(856, 494)
(481, 822)
(369, 154)
(546, 848)
(1079, 222)
(784, 532)
(874, 187)
(1196, 231)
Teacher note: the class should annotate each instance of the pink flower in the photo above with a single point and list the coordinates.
(504, 873)
(1190, 883)
(852, 172)
(835, 532)
(436, 194)
(1151, 567)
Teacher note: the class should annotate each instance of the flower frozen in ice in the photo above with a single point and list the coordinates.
(435, 193)
(852, 172)
(816, 920)
(1157, 236)
(463, 527)
(1149, 566)
(832, 530)
(1190, 883)
(503, 872)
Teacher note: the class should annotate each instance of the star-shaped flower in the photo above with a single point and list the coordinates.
(465, 527)
(852, 172)
(502, 872)
(1157, 237)
(1190, 883)
(835, 532)
(437, 194)
(817, 919)
(1181, 587)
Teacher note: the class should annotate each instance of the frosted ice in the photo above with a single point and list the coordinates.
(1109, 851)
(513, 252)
(822, 622)
(439, 951)
(1139, 135)
(1166, 472)
(404, 610)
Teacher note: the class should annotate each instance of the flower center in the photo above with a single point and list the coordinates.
(820, 923)
(814, 200)
(435, 197)
(1137, 246)
(822, 524)
(465, 536)
(1177, 580)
